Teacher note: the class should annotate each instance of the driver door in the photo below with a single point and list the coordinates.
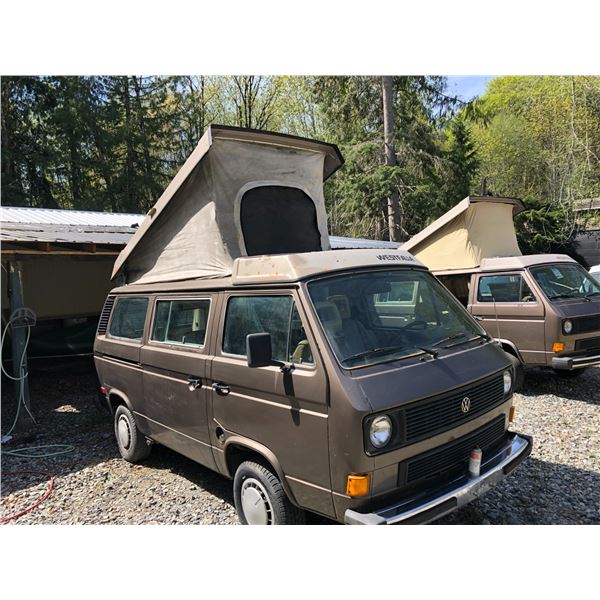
(508, 310)
(285, 412)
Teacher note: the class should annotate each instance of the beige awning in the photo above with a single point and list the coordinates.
(478, 227)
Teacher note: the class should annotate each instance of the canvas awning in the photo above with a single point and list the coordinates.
(477, 227)
(241, 192)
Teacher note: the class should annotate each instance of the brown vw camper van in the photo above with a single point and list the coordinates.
(543, 309)
(349, 383)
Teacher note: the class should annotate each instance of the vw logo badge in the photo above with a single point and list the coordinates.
(465, 404)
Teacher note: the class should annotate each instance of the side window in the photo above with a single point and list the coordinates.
(504, 288)
(181, 321)
(276, 315)
(128, 318)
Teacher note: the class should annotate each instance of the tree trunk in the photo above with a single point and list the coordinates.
(150, 187)
(129, 153)
(393, 204)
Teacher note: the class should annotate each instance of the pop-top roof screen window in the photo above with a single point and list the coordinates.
(277, 219)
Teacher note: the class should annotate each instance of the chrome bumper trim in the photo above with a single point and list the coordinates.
(574, 362)
(428, 507)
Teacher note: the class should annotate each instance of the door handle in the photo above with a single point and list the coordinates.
(194, 383)
(221, 389)
(478, 317)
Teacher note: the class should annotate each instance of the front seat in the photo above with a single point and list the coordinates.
(356, 337)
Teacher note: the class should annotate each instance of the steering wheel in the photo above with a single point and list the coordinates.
(416, 325)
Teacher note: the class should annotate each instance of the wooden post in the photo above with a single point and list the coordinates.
(18, 334)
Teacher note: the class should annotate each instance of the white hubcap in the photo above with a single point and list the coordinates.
(255, 503)
(124, 432)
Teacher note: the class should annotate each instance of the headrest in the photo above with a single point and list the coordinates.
(343, 305)
(330, 316)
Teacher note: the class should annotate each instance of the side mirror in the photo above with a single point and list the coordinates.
(260, 354)
(258, 350)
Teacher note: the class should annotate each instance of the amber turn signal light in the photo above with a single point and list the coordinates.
(558, 347)
(357, 485)
(511, 413)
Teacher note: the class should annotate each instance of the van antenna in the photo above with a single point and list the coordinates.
(496, 315)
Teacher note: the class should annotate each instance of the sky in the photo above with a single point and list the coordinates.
(467, 87)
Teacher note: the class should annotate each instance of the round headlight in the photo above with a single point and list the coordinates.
(507, 382)
(567, 326)
(380, 432)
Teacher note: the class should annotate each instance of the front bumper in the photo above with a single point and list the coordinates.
(434, 504)
(574, 362)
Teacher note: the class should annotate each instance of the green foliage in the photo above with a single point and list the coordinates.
(538, 138)
(463, 160)
(351, 114)
(543, 227)
(114, 143)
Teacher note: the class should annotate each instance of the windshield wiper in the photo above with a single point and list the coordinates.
(429, 351)
(374, 352)
(479, 335)
(448, 339)
(555, 296)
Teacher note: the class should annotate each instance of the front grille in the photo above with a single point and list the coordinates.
(589, 344)
(586, 324)
(426, 418)
(452, 457)
(105, 316)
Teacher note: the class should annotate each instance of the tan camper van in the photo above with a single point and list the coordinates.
(349, 383)
(543, 309)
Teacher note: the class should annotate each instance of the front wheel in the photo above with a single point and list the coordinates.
(260, 498)
(565, 374)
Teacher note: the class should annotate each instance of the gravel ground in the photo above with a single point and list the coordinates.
(559, 483)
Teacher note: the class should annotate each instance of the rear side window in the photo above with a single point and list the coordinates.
(181, 321)
(504, 288)
(276, 315)
(128, 318)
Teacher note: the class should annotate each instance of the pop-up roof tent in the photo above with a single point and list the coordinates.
(476, 228)
(240, 193)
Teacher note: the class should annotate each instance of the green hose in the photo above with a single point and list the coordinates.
(21, 378)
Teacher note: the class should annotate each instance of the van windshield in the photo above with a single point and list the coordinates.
(378, 316)
(560, 281)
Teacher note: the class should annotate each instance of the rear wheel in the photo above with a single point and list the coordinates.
(260, 498)
(564, 374)
(133, 446)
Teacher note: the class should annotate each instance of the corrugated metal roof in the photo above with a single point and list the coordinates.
(51, 216)
(339, 243)
(88, 227)
(71, 234)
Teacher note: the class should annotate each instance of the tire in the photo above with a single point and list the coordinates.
(565, 374)
(519, 377)
(132, 444)
(256, 487)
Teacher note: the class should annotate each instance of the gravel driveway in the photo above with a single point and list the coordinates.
(559, 483)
